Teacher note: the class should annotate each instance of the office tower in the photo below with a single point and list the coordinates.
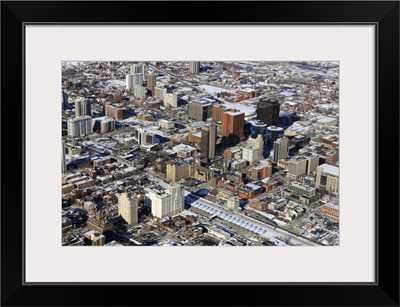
(281, 149)
(258, 143)
(164, 203)
(103, 124)
(297, 167)
(115, 112)
(143, 136)
(258, 128)
(83, 107)
(129, 81)
(171, 100)
(273, 133)
(64, 97)
(136, 76)
(208, 140)
(151, 83)
(268, 111)
(233, 202)
(200, 110)
(233, 123)
(139, 91)
(312, 161)
(128, 208)
(63, 160)
(79, 126)
(194, 67)
(177, 170)
(218, 110)
(138, 69)
(177, 195)
(160, 92)
(327, 178)
(250, 154)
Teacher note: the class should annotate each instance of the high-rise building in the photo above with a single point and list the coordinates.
(268, 111)
(177, 170)
(159, 92)
(136, 76)
(64, 97)
(128, 208)
(139, 91)
(103, 124)
(218, 110)
(200, 110)
(116, 112)
(83, 107)
(250, 154)
(312, 161)
(129, 81)
(233, 202)
(164, 203)
(327, 178)
(194, 67)
(258, 143)
(281, 149)
(273, 133)
(297, 167)
(79, 126)
(151, 83)
(258, 127)
(177, 195)
(233, 123)
(138, 69)
(208, 140)
(63, 160)
(171, 100)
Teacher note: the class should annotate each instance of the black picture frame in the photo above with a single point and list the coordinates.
(15, 15)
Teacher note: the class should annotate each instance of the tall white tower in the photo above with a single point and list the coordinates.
(128, 208)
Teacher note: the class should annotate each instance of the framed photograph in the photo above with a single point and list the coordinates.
(210, 152)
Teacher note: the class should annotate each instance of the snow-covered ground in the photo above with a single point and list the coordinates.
(116, 83)
(286, 93)
(210, 89)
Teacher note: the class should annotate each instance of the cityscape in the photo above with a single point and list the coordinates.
(200, 153)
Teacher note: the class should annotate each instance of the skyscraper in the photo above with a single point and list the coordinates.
(138, 69)
(208, 140)
(200, 110)
(297, 167)
(136, 75)
(164, 203)
(134, 79)
(64, 97)
(63, 162)
(268, 111)
(139, 91)
(258, 128)
(258, 143)
(128, 208)
(194, 67)
(151, 83)
(233, 123)
(83, 107)
(281, 149)
(78, 126)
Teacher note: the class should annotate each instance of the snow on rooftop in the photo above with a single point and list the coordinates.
(330, 168)
(210, 89)
(242, 108)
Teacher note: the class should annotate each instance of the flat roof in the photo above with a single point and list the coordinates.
(330, 168)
